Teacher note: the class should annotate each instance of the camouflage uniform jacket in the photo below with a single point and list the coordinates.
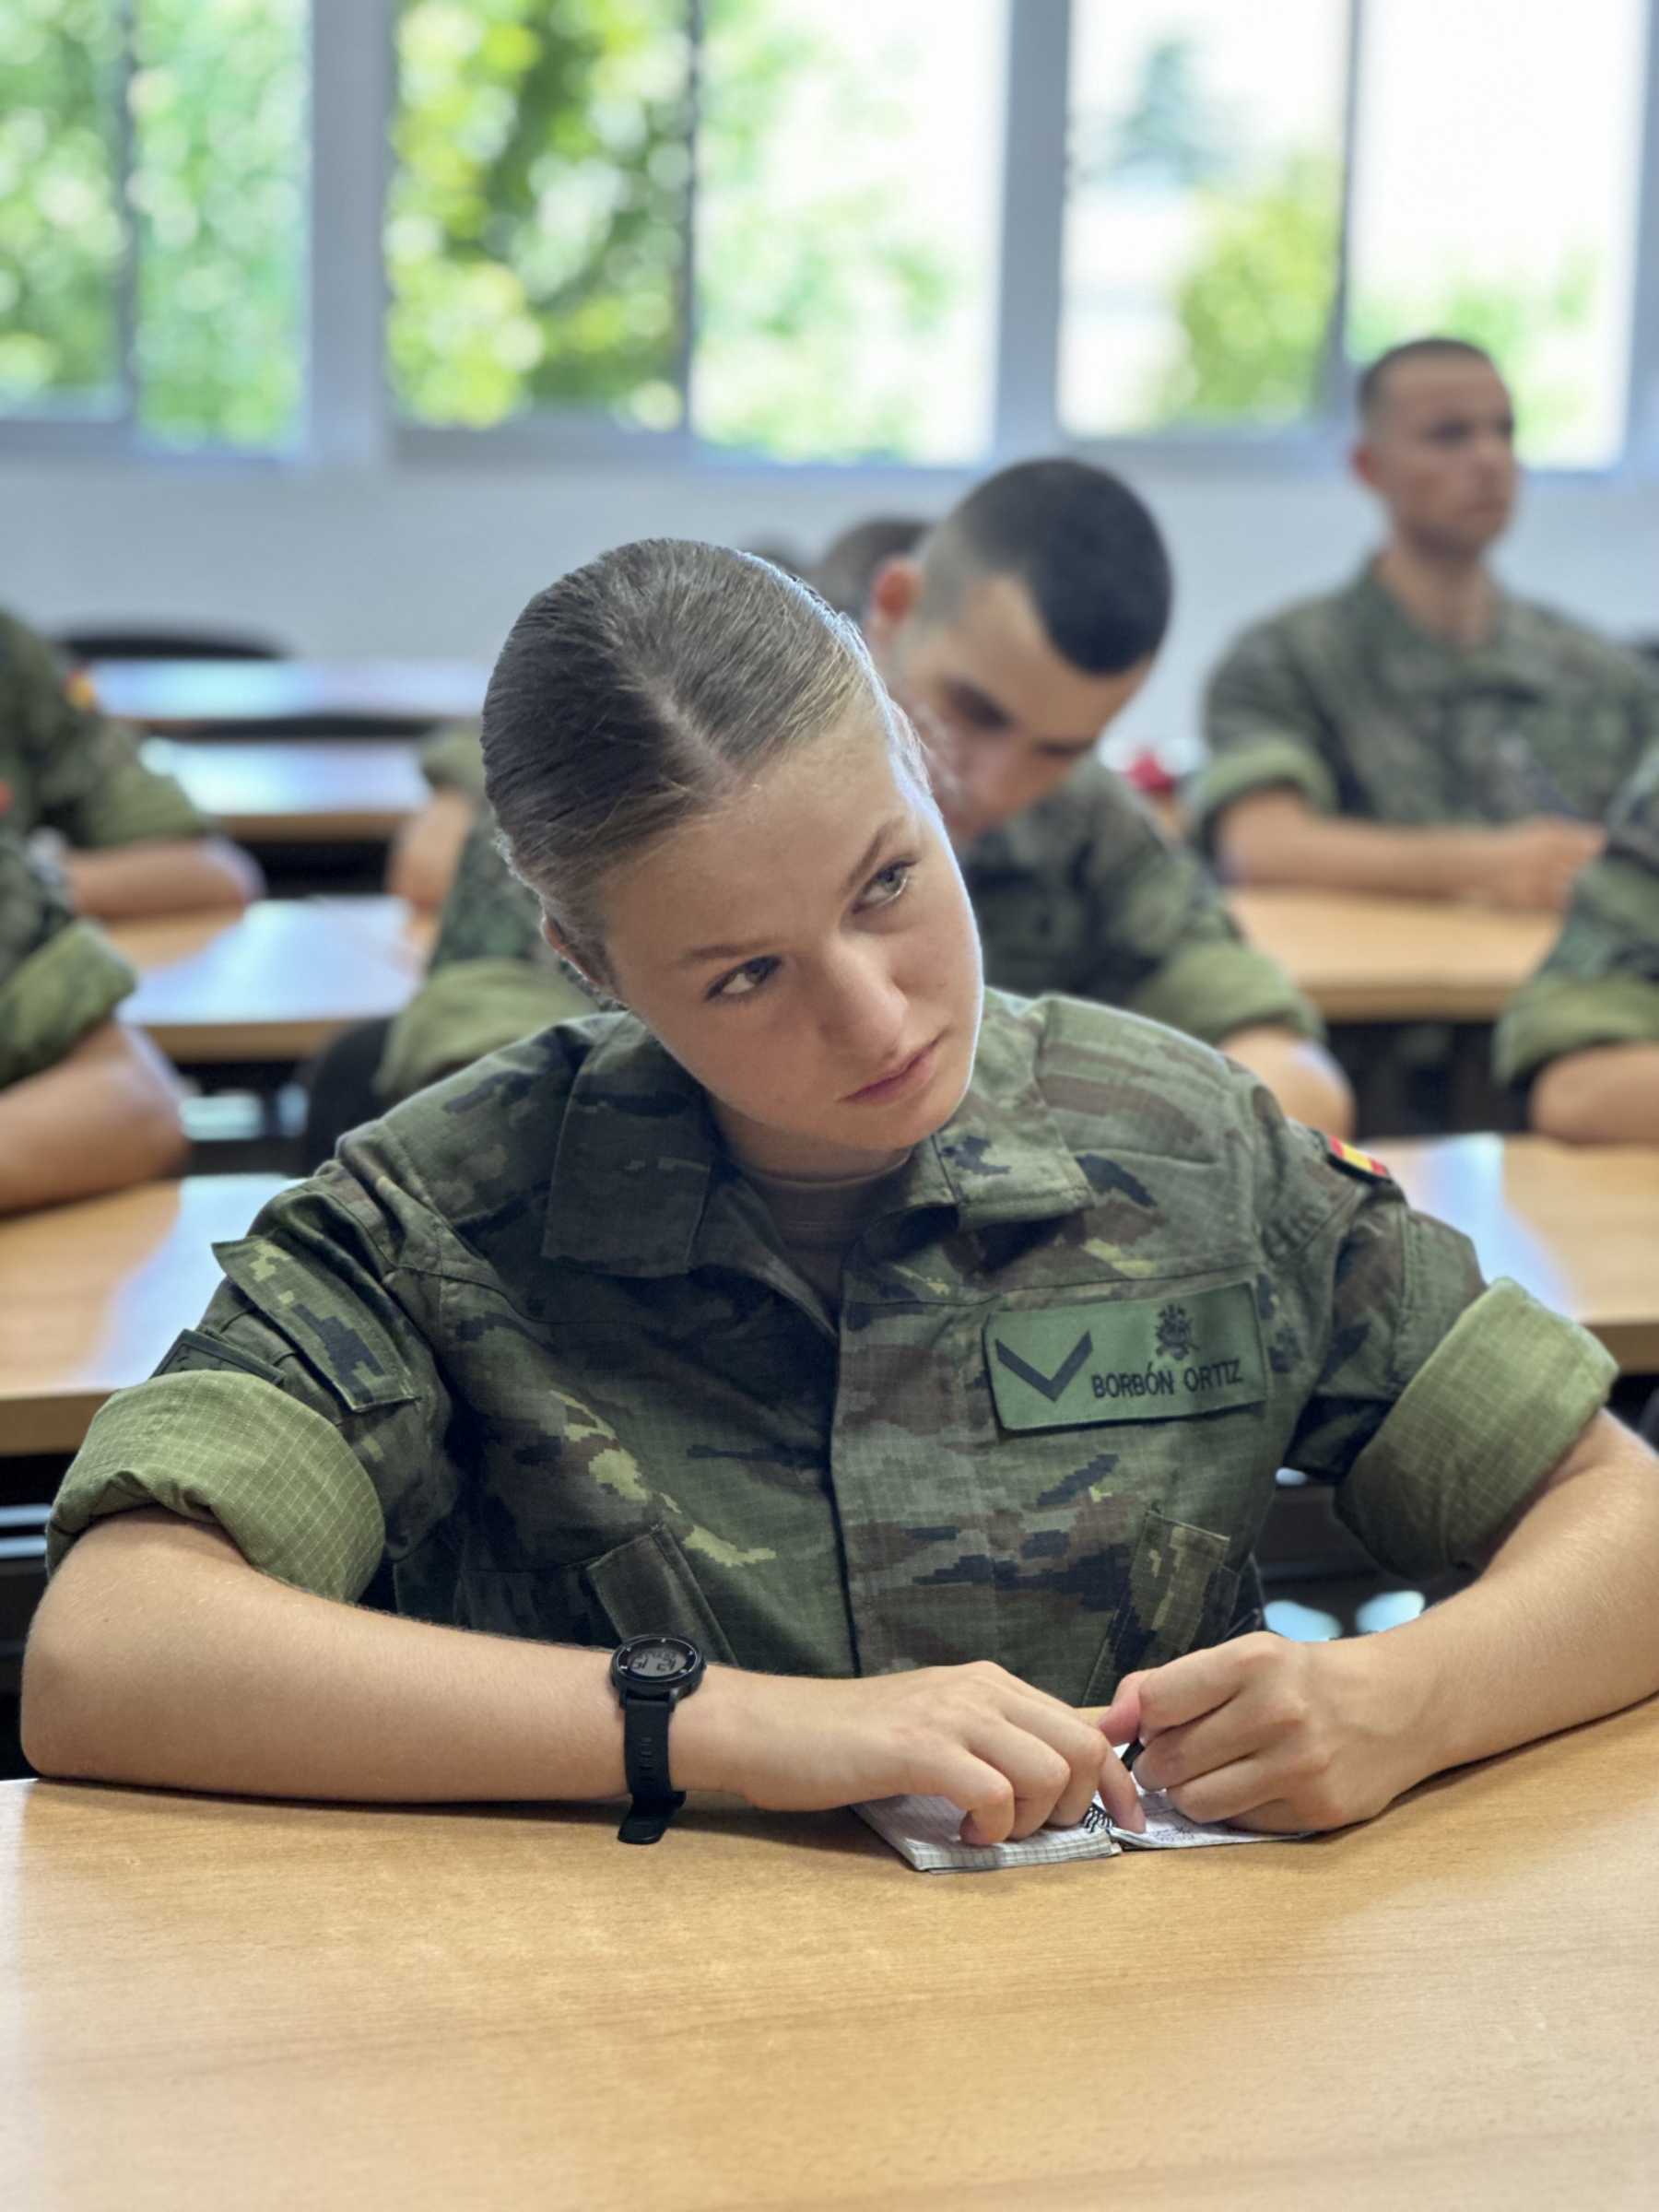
(1081, 894)
(534, 1336)
(1347, 701)
(59, 978)
(1600, 983)
(63, 766)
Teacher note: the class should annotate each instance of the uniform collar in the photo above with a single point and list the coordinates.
(1512, 659)
(643, 1184)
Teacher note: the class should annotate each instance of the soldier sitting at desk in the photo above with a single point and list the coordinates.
(1421, 731)
(1586, 1028)
(85, 1104)
(131, 841)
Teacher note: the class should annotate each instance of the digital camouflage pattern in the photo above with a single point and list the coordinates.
(1081, 894)
(63, 766)
(536, 1337)
(1600, 982)
(1347, 701)
(59, 978)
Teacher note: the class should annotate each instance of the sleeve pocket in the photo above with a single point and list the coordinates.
(646, 1587)
(343, 1340)
(1180, 1596)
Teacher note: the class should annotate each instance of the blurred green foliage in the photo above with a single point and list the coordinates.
(60, 231)
(218, 112)
(1253, 306)
(216, 206)
(537, 215)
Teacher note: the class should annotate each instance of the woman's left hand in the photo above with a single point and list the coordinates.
(1272, 1734)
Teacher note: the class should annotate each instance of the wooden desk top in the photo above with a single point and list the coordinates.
(179, 695)
(273, 791)
(92, 1294)
(1578, 1225)
(272, 983)
(1456, 2005)
(1396, 960)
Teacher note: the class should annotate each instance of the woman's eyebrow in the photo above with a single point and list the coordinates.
(866, 863)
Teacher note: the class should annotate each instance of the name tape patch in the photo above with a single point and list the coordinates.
(1127, 1359)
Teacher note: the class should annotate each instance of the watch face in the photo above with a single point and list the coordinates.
(658, 1659)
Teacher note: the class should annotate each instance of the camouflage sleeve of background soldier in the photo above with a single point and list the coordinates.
(59, 978)
(1164, 943)
(1438, 1403)
(1261, 730)
(1600, 982)
(304, 1415)
(452, 759)
(493, 977)
(90, 780)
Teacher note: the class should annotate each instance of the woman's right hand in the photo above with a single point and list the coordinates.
(1012, 1756)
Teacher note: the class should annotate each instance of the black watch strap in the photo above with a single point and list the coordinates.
(645, 1762)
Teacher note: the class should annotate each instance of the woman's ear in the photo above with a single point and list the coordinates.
(561, 947)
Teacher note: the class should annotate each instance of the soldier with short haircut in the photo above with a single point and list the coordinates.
(85, 1104)
(1584, 1033)
(904, 1370)
(1423, 731)
(130, 841)
(1018, 629)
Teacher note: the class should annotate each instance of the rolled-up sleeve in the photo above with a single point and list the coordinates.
(1437, 1403)
(1258, 735)
(1599, 984)
(305, 1415)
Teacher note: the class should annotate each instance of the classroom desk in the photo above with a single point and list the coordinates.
(312, 791)
(274, 983)
(1578, 1225)
(92, 1294)
(1457, 2005)
(184, 695)
(1396, 960)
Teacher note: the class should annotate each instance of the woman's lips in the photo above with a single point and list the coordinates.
(910, 1076)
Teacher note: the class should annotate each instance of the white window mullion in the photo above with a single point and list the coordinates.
(1033, 226)
(351, 103)
(1641, 411)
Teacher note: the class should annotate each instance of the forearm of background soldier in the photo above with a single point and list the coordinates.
(1274, 837)
(421, 864)
(1561, 1628)
(161, 875)
(104, 1117)
(1301, 1074)
(1605, 1095)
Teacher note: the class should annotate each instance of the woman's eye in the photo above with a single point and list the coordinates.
(743, 983)
(889, 884)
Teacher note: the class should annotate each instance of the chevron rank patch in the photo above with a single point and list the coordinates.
(1159, 1359)
(1352, 1161)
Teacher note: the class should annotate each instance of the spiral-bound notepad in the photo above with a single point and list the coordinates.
(926, 1832)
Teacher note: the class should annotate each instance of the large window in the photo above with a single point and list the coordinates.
(924, 232)
(152, 216)
(765, 233)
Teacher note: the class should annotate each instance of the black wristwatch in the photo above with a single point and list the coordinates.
(650, 1675)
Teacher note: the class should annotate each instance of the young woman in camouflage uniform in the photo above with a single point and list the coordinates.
(924, 1358)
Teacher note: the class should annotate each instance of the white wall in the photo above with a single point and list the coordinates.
(436, 561)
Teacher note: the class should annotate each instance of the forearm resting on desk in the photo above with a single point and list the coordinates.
(171, 875)
(106, 1116)
(159, 1656)
(1606, 1095)
(1561, 1627)
(1275, 837)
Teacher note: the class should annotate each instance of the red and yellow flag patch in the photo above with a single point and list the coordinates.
(1354, 1162)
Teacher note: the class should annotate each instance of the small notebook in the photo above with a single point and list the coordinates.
(924, 1831)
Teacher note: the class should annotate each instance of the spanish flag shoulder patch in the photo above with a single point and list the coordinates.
(1352, 1161)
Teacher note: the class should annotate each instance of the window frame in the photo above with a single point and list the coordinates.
(349, 416)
